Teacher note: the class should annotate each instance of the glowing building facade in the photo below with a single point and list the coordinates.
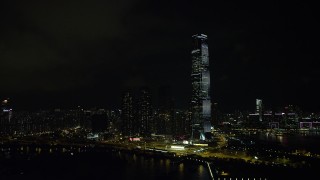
(259, 108)
(200, 77)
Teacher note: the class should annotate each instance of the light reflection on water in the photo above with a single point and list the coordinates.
(161, 162)
(157, 167)
(181, 168)
(201, 169)
(133, 165)
(152, 161)
(280, 139)
(167, 165)
(309, 141)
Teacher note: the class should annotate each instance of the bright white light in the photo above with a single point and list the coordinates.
(200, 144)
(177, 147)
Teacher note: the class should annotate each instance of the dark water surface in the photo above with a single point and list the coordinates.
(32, 162)
(97, 165)
(308, 141)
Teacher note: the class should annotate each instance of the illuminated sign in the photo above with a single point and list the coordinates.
(134, 139)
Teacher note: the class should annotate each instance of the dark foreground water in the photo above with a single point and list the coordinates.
(97, 165)
(308, 141)
(61, 163)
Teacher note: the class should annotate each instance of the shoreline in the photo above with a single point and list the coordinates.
(221, 167)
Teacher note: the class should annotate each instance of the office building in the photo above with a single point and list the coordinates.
(200, 78)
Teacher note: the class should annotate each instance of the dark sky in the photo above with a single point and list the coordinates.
(76, 52)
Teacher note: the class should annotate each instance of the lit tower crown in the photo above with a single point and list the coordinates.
(200, 77)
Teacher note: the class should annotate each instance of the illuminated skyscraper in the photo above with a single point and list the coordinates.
(200, 77)
(127, 115)
(144, 111)
(259, 108)
(5, 110)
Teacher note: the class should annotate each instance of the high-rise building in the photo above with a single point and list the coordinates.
(144, 111)
(165, 123)
(200, 77)
(255, 119)
(127, 114)
(5, 110)
(259, 108)
(181, 123)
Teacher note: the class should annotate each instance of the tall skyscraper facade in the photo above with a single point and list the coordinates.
(259, 108)
(200, 77)
(146, 124)
(127, 114)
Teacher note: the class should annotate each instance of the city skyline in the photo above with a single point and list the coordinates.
(88, 54)
(143, 89)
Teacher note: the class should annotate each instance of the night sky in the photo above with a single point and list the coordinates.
(69, 53)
